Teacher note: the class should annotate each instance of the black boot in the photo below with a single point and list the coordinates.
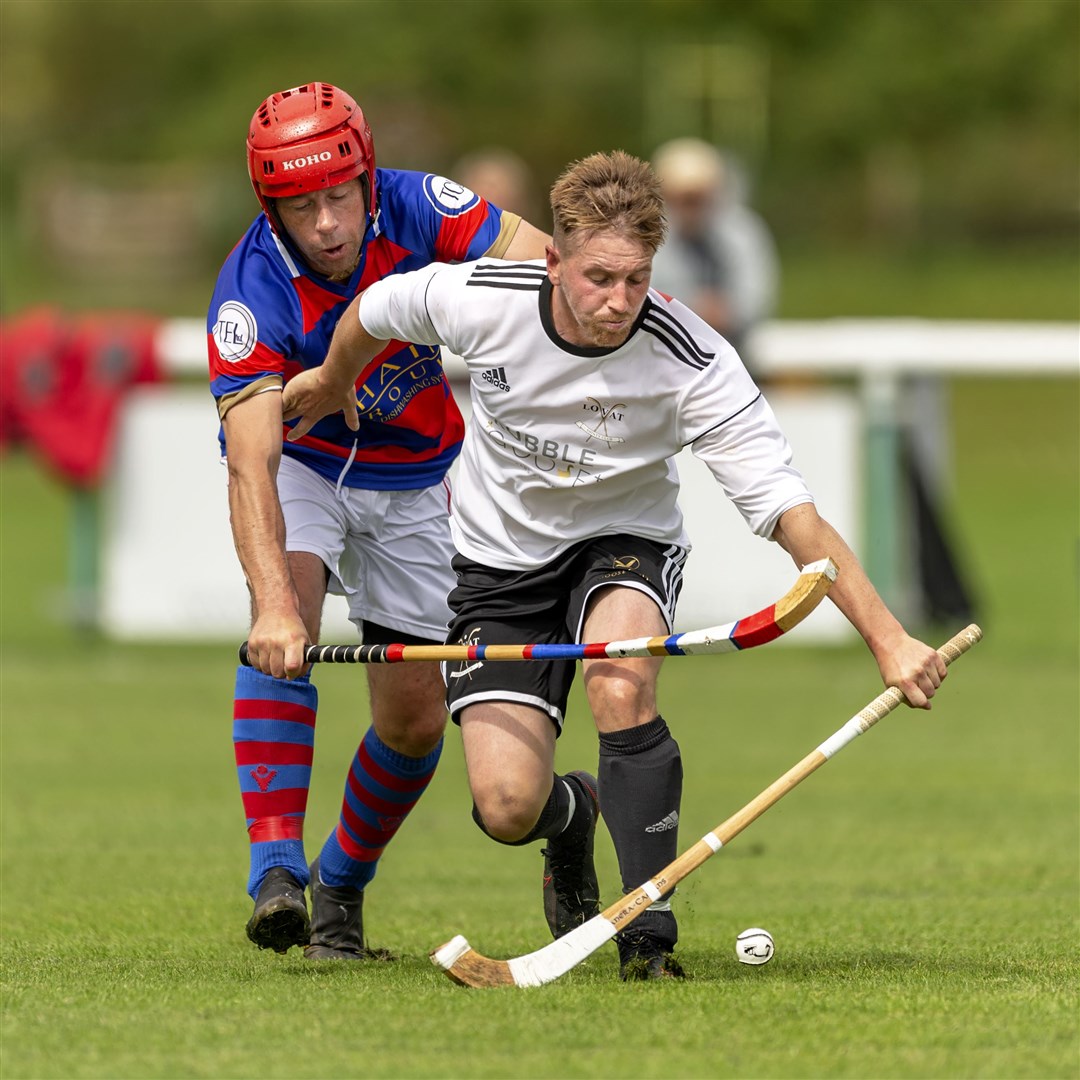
(646, 945)
(280, 919)
(337, 921)
(571, 892)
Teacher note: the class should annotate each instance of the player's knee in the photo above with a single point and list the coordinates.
(503, 815)
(414, 735)
(427, 729)
(409, 715)
(622, 699)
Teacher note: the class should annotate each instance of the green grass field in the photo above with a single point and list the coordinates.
(922, 888)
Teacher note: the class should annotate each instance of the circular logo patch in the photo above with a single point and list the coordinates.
(448, 197)
(235, 331)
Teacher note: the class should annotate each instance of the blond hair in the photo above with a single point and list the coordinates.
(609, 191)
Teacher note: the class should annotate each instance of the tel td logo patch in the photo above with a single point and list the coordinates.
(235, 331)
(448, 197)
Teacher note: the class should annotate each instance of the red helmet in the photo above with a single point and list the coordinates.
(308, 138)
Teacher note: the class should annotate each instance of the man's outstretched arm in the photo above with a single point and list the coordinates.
(253, 438)
(904, 662)
(528, 243)
(331, 387)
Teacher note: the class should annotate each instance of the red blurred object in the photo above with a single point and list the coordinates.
(63, 379)
(32, 346)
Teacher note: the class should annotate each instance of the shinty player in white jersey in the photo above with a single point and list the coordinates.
(585, 384)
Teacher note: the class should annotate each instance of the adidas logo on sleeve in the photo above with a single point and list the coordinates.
(497, 377)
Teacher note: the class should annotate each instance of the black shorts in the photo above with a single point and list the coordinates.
(526, 607)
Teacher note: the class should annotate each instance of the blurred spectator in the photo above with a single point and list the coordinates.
(501, 177)
(719, 257)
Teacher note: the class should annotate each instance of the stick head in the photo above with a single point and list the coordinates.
(469, 968)
(445, 956)
(814, 582)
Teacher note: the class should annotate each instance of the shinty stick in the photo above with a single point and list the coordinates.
(469, 968)
(758, 629)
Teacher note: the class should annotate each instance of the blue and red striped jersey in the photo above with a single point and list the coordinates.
(271, 317)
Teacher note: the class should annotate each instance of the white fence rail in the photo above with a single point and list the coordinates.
(856, 347)
(166, 518)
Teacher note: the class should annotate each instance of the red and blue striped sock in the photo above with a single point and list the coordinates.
(381, 789)
(274, 738)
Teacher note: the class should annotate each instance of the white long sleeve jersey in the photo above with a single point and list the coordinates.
(568, 442)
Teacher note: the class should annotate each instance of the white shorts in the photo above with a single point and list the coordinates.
(388, 552)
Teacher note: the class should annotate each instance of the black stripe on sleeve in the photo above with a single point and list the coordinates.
(500, 265)
(528, 287)
(508, 275)
(676, 328)
(673, 348)
(726, 419)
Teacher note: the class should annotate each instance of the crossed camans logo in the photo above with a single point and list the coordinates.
(263, 776)
(603, 414)
(625, 562)
(470, 637)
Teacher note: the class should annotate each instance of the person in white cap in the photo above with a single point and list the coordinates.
(719, 257)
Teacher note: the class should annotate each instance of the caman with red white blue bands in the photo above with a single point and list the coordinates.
(757, 629)
(760, 628)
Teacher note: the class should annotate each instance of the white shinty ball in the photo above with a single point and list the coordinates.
(754, 946)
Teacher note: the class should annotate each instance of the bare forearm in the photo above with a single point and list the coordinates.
(806, 536)
(331, 387)
(902, 660)
(258, 530)
(527, 243)
(253, 442)
(352, 348)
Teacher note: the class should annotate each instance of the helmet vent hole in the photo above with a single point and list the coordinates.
(268, 168)
(344, 149)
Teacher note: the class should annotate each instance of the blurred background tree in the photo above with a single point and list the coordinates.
(911, 157)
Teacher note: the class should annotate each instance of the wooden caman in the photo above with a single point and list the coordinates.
(469, 968)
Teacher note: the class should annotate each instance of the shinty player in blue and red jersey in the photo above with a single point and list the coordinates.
(361, 513)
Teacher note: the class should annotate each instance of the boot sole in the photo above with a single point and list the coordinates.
(280, 928)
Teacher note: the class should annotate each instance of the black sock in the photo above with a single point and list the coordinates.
(640, 781)
(552, 821)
